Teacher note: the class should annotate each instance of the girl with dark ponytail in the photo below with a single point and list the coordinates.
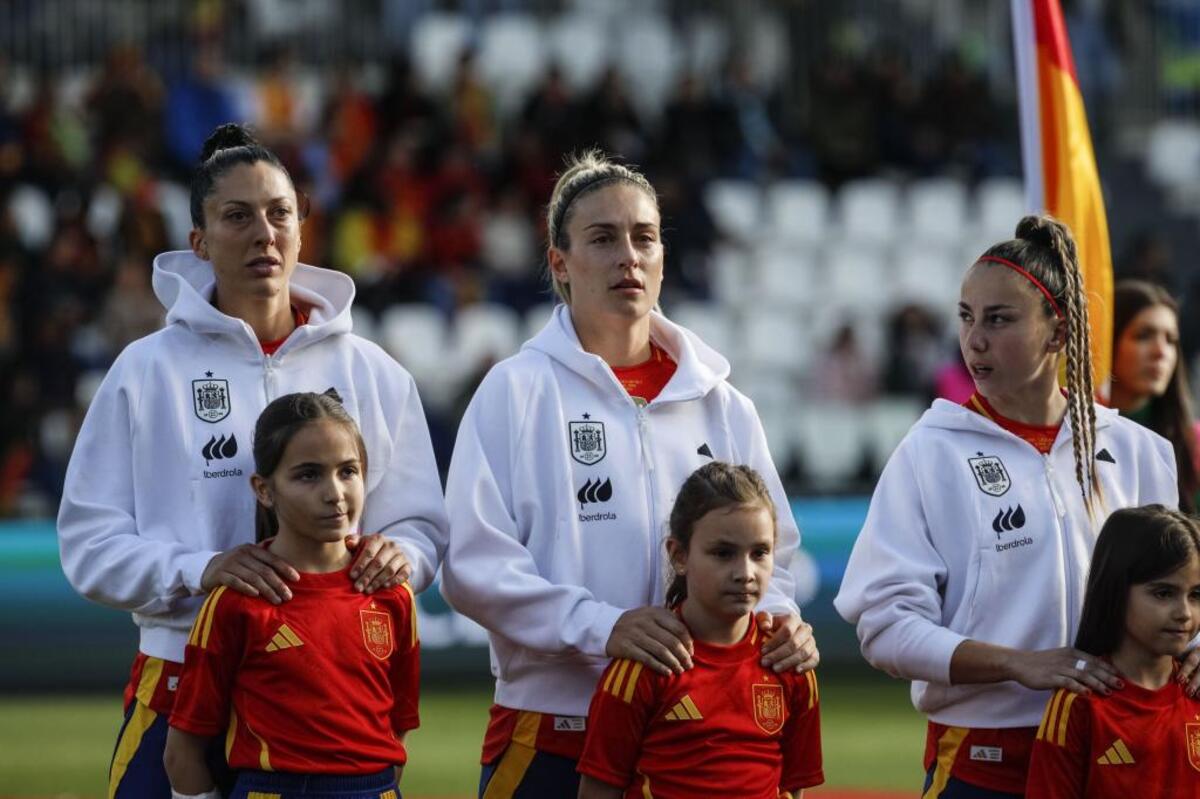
(968, 575)
(752, 732)
(155, 513)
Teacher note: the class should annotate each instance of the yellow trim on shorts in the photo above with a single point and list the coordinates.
(948, 746)
(131, 740)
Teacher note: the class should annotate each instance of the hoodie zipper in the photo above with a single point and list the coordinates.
(648, 455)
(269, 377)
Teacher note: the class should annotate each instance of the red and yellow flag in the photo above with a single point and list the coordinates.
(1060, 165)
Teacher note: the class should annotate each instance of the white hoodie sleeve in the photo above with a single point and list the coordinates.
(489, 574)
(749, 435)
(103, 555)
(891, 586)
(407, 503)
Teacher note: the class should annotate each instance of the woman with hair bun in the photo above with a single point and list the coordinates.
(968, 576)
(155, 510)
(566, 465)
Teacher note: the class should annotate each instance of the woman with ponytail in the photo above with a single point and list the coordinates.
(155, 511)
(969, 573)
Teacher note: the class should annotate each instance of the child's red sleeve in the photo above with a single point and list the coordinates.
(621, 709)
(801, 742)
(214, 649)
(1061, 752)
(405, 667)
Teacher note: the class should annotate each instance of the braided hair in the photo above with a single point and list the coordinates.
(1045, 248)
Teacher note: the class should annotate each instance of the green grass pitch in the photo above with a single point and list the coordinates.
(60, 746)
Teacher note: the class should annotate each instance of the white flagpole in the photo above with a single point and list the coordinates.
(1029, 102)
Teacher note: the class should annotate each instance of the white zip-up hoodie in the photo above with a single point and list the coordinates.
(158, 483)
(559, 492)
(974, 534)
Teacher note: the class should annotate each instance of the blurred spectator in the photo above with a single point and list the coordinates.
(197, 102)
(914, 352)
(843, 374)
(131, 309)
(125, 104)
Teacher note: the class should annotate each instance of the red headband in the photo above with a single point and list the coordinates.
(1028, 276)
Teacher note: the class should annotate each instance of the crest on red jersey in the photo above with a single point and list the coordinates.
(768, 707)
(377, 632)
(1192, 735)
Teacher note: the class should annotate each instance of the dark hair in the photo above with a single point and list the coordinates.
(1136, 545)
(586, 172)
(714, 486)
(226, 147)
(1045, 248)
(278, 424)
(1170, 414)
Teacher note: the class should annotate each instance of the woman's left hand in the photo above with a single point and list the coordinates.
(790, 643)
(381, 563)
(1189, 671)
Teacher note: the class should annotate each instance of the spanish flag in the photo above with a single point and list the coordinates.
(1060, 165)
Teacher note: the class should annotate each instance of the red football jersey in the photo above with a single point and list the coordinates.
(725, 727)
(644, 381)
(1135, 742)
(321, 684)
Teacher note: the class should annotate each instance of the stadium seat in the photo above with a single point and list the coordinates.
(364, 324)
(830, 442)
(887, 422)
(1001, 204)
(512, 58)
(711, 322)
(706, 45)
(868, 211)
(535, 319)
(415, 335)
(579, 46)
(730, 276)
(649, 57)
(857, 276)
(774, 397)
(484, 332)
(1173, 154)
(777, 341)
(32, 216)
(798, 211)
(438, 39)
(736, 207)
(104, 211)
(785, 277)
(174, 203)
(936, 211)
(928, 275)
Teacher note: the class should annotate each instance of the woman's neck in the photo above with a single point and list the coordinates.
(1126, 401)
(1147, 669)
(1035, 408)
(712, 630)
(269, 317)
(307, 555)
(618, 345)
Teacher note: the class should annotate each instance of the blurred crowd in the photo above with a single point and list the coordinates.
(423, 195)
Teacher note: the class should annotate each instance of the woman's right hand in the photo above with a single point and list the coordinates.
(654, 637)
(1069, 668)
(250, 570)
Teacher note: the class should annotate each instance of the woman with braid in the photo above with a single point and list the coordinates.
(968, 576)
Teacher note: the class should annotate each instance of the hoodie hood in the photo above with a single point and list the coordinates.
(952, 416)
(699, 370)
(184, 285)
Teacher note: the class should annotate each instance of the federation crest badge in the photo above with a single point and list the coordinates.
(210, 399)
(768, 706)
(1192, 735)
(377, 632)
(587, 441)
(990, 475)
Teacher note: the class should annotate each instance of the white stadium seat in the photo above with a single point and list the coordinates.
(438, 39)
(736, 207)
(711, 322)
(579, 46)
(798, 211)
(1001, 204)
(512, 58)
(937, 211)
(830, 442)
(868, 211)
(649, 58)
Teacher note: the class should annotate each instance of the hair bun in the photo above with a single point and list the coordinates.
(1038, 230)
(224, 137)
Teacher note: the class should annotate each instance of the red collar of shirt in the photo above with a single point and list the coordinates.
(300, 317)
(1040, 437)
(644, 381)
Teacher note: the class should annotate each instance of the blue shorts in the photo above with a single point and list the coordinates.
(525, 773)
(957, 789)
(280, 785)
(137, 771)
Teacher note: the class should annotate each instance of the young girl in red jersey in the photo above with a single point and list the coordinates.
(728, 726)
(1141, 611)
(314, 696)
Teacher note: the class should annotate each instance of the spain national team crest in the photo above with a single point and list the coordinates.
(377, 632)
(768, 707)
(210, 398)
(1192, 734)
(587, 440)
(990, 474)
